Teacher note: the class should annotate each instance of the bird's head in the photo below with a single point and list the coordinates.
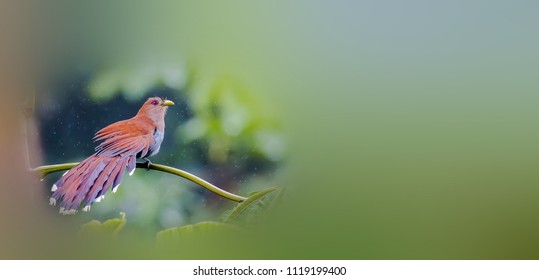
(155, 108)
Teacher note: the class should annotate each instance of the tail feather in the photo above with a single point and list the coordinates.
(78, 187)
(119, 176)
(89, 180)
(99, 183)
(131, 165)
(74, 172)
(114, 178)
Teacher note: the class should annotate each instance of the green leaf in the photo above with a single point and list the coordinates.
(189, 232)
(255, 205)
(108, 228)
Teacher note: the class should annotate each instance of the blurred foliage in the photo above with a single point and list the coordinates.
(185, 234)
(255, 205)
(231, 122)
(109, 228)
(245, 212)
(134, 82)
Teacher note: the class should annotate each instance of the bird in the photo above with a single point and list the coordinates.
(122, 143)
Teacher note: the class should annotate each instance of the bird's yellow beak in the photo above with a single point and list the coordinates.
(167, 103)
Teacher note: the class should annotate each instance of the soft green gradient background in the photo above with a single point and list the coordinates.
(412, 126)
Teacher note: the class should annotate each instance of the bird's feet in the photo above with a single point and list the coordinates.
(148, 163)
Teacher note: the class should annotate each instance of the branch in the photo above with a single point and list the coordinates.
(48, 169)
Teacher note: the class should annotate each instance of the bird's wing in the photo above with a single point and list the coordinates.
(126, 138)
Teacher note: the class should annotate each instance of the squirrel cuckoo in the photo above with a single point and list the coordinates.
(122, 144)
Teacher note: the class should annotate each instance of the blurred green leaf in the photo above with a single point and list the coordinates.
(255, 205)
(134, 82)
(109, 228)
(189, 232)
(232, 121)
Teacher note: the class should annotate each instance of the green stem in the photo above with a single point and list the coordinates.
(47, 169)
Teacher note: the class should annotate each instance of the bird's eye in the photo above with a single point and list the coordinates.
(155, 102)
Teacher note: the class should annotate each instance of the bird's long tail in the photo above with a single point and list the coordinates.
(89, 181)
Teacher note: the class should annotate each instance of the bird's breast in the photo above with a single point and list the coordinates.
(157, 140)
